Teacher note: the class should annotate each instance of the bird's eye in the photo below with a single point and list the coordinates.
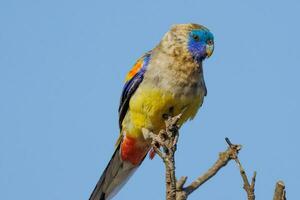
(196, 37)
(210, 42)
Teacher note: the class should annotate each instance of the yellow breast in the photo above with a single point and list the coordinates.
(149, 106)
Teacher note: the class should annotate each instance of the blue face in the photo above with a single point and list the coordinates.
(200, 44)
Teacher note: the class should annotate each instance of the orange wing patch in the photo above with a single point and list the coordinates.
(136, 67)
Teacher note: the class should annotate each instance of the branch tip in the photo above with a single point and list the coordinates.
(280, 193)
(164, 144)
(228, 141)
(180, 183)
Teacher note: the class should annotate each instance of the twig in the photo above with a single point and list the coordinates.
(167, 139)
(249, 188)
(279, 193)
(224, 158)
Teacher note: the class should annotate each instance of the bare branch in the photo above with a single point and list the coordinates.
(279, 193)
(249, 188)
(167, 139)
(164, 144)
(224, 158)
(180, 183)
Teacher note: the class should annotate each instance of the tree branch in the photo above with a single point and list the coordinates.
(224, 158)
(167, 140)
(249, 188)
(279, 193)
(164, 144)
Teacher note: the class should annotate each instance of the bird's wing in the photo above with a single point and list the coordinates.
(117, 171)
(133, 79)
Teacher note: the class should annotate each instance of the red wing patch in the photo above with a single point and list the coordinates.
(131, 151)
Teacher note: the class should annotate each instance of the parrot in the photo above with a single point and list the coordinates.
(165, 81)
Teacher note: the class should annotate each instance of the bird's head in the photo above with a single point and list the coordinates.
(200, 43)
(191, 39)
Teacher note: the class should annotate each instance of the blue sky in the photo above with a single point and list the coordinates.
(62, 67)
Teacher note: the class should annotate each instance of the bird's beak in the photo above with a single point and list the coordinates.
(209, 50)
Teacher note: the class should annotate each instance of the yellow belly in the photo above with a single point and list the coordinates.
(149, 106)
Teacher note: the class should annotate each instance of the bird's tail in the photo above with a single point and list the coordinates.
(115, 175)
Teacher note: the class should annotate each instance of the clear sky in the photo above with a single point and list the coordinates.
(62, 67)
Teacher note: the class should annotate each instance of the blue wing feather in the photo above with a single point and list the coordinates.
(131, 86)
